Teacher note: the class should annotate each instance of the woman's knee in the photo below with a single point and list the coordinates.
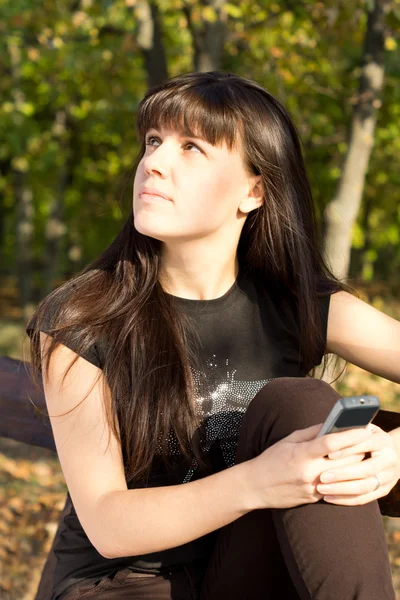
(286, 404)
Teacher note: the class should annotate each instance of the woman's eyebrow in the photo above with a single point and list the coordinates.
(181, 134)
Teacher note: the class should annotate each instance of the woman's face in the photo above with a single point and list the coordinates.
(207, 188)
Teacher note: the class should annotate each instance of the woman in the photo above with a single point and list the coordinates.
(177, 389)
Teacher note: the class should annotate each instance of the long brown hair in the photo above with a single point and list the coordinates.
(145, 340)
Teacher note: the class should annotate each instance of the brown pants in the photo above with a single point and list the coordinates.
(314, 551)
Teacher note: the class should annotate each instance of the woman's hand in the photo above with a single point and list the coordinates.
(287, 473)
(353, 485)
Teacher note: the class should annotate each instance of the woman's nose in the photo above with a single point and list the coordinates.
(158, 161)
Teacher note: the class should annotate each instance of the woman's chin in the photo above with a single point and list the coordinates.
(153, 232)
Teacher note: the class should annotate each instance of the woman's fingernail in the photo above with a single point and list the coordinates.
(324, 488)
(329, 498)
(327, 476)
(336, 454)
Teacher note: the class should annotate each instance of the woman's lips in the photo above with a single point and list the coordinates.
(146, 197)
(151, 194)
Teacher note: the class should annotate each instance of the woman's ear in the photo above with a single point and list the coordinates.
(255, 197)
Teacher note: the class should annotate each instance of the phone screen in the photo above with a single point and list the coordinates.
(355, 418)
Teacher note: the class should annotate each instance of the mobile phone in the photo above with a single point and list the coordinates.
(350, 412)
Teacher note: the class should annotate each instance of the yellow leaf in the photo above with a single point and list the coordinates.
(27, 109)
(276, 52)
(78, 18)
(61, 28)
(107, 54)
(233, 11)
(287, 19)
(33, 54)
(357, 236)
(20, 164)
(390, 44)
(209, 14)
(8, 107)
(16, 504)
(58, 42)
(287, 75)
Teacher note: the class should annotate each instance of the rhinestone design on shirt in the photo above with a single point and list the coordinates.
(221, 403)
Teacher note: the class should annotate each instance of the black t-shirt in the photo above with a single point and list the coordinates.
(248, 337)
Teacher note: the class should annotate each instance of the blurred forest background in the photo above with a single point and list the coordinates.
(72, 75)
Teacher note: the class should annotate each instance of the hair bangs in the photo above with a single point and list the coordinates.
(201, 111)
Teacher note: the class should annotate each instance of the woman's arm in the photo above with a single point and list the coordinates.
(364, 336)
(154, 519)
(118, 521)
(369, 339)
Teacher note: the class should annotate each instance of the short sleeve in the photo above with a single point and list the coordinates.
(323, 305)
(92, 354)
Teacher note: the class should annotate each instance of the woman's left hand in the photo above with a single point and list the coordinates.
(355, 484)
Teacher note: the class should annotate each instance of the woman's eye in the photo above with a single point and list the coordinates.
(154, 141)
(150, 139)
(193, 146)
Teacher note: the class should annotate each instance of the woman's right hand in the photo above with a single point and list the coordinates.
(286, 474)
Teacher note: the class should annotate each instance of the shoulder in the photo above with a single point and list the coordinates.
(53, 318)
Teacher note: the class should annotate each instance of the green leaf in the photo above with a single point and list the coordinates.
(358, 237)
(27, 109)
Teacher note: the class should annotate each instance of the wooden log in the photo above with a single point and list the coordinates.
(19, 419)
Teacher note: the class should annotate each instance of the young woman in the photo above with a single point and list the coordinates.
(178, 388)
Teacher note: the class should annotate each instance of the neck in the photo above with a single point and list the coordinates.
(198, 275)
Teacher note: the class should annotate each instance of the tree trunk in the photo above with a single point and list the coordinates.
(4, 169)
(55, 227)
(341, 212)
(23, 193)
(23, 242)
(209, 39)
(74, 254)
(150, 42)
